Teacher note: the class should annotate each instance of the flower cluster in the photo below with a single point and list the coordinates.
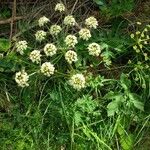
(21, 46)
(42, 21)
(77, 81)
(35, 56)
(69, 20)
(40, 35)
(22, 78)
(91, 22)
(60, 7)
(85, 34)
(141, 39)
(50, 49)
(71, 56)
(94, 49)
(66, 45)
(71, 40)
(47, 69)
(55, 30)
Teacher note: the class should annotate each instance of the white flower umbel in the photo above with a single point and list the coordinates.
(50, 49)
(55, 30)
(94, 49)
(71, 40)
(69, 20)
(22, 78)
(47, 69)
(91, 22)
(21, 46)
(85, 34)
(77, 81)
(40, 35)
(35, 56)
(71, 56)
(42, 21)
(60, 7)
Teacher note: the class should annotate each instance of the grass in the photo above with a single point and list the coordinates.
(111, 113)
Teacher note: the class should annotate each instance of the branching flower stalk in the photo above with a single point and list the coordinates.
(55, 50)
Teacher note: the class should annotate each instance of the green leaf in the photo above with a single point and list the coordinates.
(99, 2)
(127, 142)
(114, 95)
(136, 100)
(77, 118)
(4, 44)
(112, 108)
(120, 130)
(125, 82)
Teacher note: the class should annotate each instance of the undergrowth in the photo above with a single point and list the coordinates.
(72, 84)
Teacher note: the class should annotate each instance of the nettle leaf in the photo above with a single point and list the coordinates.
(4, 44)
(136, 100)
(125, 82)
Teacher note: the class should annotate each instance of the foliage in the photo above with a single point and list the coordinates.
(115, 8)
(94, 97)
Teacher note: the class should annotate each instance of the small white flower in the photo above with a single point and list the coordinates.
(47, 69)
(91, 22)
(85, 34)
(40, 35)
(43, 20)
(60, 7)
(55, 29)
(94, 49)
(35, 56)
(21, 46)
(22, 78)
(71, 56)
(77, 81)
(69, 20)
(50, 49)
(71, 40)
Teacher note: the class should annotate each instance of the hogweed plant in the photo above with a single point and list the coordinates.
(56, 49)
(80, 87)
(141, 40)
